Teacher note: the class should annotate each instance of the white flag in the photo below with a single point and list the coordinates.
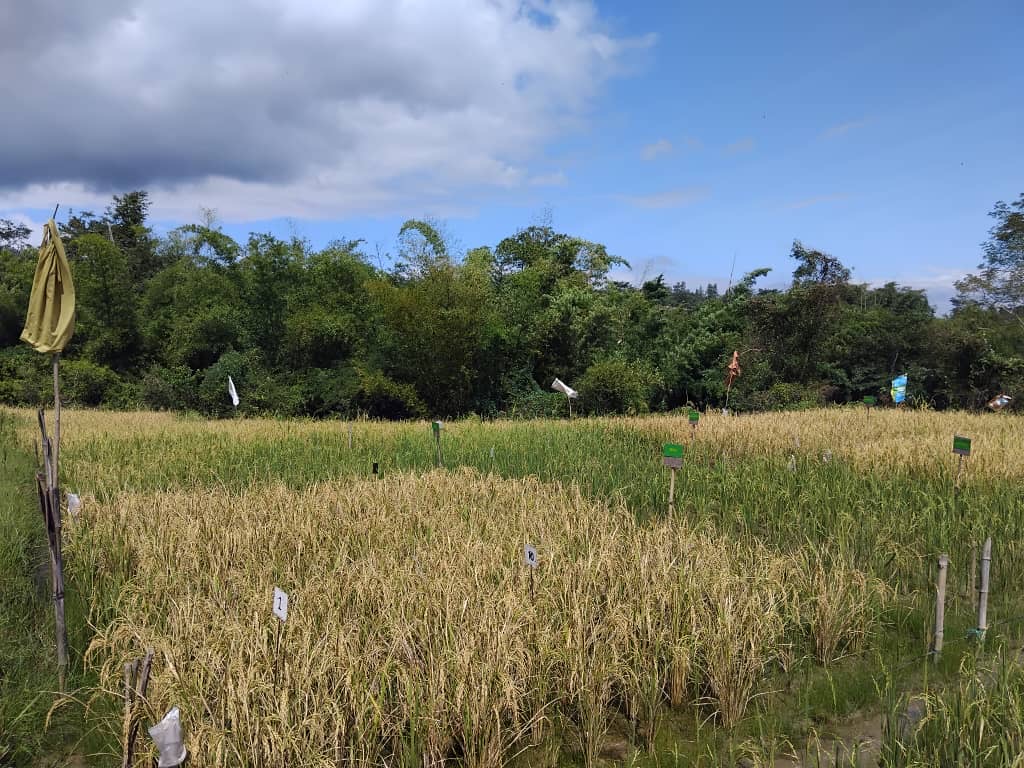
(233, 392)
(560, 386)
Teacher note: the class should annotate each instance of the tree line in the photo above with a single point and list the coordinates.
(164, 320)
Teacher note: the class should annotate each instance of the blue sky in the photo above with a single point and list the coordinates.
(882, 133)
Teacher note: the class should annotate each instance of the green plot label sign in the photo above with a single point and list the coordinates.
(961, 445)
(673, 455)
(694, 417)
(436, 426)
(870, 400)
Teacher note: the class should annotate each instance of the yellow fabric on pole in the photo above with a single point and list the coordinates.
(51, 307)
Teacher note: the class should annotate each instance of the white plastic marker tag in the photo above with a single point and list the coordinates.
(492, 451)
(281, 604)
(74, 504)
(233, 392)
(530, 555)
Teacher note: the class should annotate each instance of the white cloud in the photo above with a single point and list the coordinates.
(556, 179)
(660, 147)
(673, 198)
(27, 221)
(307, 108)
(737, 147)
(817, 200)
(842, 129)
(929, 280)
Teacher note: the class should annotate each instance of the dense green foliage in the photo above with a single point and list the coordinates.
(163, 321)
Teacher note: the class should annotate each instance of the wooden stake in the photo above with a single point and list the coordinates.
(986, 564)
(972, 585)
(129, 697)
(672, 492)
(281, 629)
(135, 690)
(940, 607)
(350, 435)
(49, 505)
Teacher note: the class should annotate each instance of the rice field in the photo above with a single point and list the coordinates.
(790, 590)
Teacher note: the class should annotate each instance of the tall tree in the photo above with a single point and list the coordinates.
(999, 282)
(107, 322)
(127, 216)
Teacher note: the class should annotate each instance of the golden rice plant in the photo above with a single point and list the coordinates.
(413, 635)
(886, 440)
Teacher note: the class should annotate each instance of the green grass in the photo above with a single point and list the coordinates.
(30, 734)
(891, 522)
(27, 675)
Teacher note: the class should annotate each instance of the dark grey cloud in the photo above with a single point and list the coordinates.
(308, 97)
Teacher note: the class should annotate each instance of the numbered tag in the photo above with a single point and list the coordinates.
(530, 555)
(281, 604)
(492, 453)
(961, 445)
(672, 455)
(74, 504)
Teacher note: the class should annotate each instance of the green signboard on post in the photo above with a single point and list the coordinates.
(870, 400)
(961, 445)
(436, 426)
(694, 417)
(673, 455)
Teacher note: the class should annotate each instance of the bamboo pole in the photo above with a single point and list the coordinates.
(940, 607)
(986, 564)
(56, 420)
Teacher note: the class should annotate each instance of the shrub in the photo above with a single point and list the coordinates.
(89, 384)
(784, 396)
(382, 398)
(615, 386)
(169, 389)
(537, 404)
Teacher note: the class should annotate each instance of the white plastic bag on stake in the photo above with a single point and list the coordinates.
(560, 386)
(74, 504)
(168, 739)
